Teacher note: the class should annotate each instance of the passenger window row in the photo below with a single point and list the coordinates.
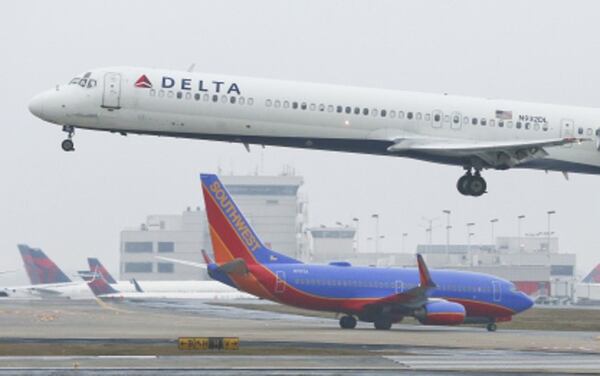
(437, 117)
(203, 97)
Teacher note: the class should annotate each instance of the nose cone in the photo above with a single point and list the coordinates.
(523, 303)
(36, 106)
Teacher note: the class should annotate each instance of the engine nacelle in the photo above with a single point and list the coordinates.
(441, 312)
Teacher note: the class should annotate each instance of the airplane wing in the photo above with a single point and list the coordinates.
(415, 297)
(494, 153)
(183, 262)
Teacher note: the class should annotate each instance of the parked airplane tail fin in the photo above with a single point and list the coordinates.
(594, 276)
(231, 234)
(424, 276)
(100, 287)
(40, 269)
(97, 267)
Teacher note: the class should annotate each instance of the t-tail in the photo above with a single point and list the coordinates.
(40, 269)
(97, 267)
(233, 238)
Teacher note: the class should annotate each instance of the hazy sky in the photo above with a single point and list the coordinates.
(74, 205)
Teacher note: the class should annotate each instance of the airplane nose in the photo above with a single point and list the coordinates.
(36, 106)
(525, 302)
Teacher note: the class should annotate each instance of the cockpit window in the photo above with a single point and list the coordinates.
(512, 288)
(85, 82)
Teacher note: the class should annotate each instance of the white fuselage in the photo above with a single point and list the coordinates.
(68, 290)
(203, 290)
(309, 115)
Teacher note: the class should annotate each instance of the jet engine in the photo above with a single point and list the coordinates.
(441, 312)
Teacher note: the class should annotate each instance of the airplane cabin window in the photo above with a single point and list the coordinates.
(188, 95)
(277, 103)
(598, 132)
(418, 117)
(197, 96)
(223, 98)
(313, 106)
(590, 131)
(437, 117)
(483, 122)
(215, 98)
(161, 93)
(527, 125)
(348, 109)
(250, 101)
(356, 111)
(536, 127)
(92, 83)
(303, 106)
(232, 100)
(392, 114)
(268, 102)
(409, 115)
(500, 123)
(374, 112)
(206, 97)
(427, 117)
(286, 104)
(474, 121)
(339, 109)
(170, 94)
(383, 113)
(492, 123)
(455, 119)
(294, 105)
(466, 120)
(330, 108)
(321, 107)
(580, 130)
(509, 124)
(152, 92)
(179, 95)
(400, 114)
(365, 111)
(519, 125)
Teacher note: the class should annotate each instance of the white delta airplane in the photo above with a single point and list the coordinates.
(473, 133)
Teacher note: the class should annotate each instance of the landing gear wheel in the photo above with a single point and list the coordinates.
(462, 183)
(476, 186)
(347, 322)
(67, 145)
(491, 327)
(383, 323)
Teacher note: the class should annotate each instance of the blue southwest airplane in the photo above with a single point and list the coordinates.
(377, 295)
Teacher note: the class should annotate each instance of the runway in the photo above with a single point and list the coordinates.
(113, 336)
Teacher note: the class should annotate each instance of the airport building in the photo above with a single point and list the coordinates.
(332, 244)
(271, 204)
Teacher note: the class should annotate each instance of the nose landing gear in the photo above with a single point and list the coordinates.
(471, 184)
(68, 145)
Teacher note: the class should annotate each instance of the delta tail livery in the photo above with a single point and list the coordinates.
(380, 296)
(472, 133)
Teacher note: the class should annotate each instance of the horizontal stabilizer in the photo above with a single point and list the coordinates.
(237, 266)
(183, 262)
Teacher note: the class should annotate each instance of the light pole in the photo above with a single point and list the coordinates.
(520, 218)
(376, 217)
(492, 222)
(448, 227)
(469, 235)
(429, 229)
(550, 212)
(356, 234)
(404, 235)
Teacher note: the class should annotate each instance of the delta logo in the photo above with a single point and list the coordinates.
(143, 82)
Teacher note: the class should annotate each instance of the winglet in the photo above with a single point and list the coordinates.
(424, 276)
(206, 257)
(138, 288)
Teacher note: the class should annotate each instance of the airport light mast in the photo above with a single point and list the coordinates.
(550, 212)
(492, 222)
(469, 235)
(519, 219)
(448, 227)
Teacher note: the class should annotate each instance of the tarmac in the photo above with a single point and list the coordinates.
(39, 337)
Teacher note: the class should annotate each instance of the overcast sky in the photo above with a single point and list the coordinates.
(74, 205)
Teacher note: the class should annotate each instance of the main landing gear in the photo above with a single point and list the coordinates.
(491, 327)
(348, 322)
(471, 184)
(382, 323)
(68, 145)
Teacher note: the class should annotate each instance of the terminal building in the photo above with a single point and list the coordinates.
(272, 205)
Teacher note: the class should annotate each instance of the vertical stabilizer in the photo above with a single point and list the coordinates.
(97, 267)
(40, 269)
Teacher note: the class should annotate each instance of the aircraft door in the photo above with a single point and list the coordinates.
(436, 118)
(497, 291)
(111, 97)
(280, 282)
(567, 129)
(456, 121)
(399, 285)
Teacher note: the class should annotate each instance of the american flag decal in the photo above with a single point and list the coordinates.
(504, 115)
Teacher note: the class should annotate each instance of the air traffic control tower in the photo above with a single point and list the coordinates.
(272, 205)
